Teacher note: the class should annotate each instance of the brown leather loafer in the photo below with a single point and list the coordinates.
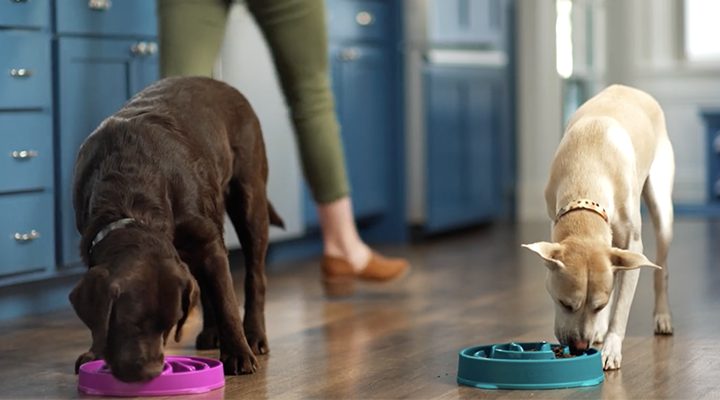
(339, 276)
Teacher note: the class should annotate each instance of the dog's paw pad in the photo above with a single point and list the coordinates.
(663, 324)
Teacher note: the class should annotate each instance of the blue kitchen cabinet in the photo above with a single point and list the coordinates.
(464, 120)
(95, 78)
(363, 64)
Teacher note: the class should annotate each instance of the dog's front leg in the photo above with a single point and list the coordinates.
(625, 285)
(235, 352)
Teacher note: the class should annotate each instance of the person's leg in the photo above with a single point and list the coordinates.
(191, 33)
(297, 36)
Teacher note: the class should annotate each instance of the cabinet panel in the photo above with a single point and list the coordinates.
(475, 23)
(24, 69)
(463, 125)
(26, 233)
(712, 126)
(360, 81)
(97, 76)
(25, 14)
(107, 17)
(26, 152)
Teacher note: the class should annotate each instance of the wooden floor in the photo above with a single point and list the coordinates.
(401, 341)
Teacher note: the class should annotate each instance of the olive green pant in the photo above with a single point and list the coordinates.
(191, 32)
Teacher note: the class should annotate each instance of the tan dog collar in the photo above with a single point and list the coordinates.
(583, 204)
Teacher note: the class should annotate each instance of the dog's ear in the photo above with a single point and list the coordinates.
(93, 299)
(190, 297)
(548, 252)
(624, 260)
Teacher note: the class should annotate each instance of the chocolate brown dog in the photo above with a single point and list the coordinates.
(151, 187)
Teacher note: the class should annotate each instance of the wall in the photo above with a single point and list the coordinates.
(641, 46)
(539, 104)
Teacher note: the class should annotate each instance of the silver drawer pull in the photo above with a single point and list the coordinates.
(26, 237)
(23, 154)
(20, 73)
(716, 142)
(364, 18)
(717, 188)
(350, 54)
(19, 1)
(99, 5)
(144, 48)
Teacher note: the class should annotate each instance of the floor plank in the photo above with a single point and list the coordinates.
(401, 340)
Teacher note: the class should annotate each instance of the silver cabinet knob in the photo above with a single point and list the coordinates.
(349, 54)
(144, 48)
(99, 5)
(364, 18)
(716, 142)
(20, 73)
(26, 237)
(23, 154)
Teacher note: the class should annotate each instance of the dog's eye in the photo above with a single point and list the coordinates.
(598, 309)
(567, 307)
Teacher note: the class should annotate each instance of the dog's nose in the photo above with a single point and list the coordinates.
(579, 346)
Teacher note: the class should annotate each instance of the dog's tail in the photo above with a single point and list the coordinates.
(274, 217)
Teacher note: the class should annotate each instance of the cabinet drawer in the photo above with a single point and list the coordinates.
(25, 13)
(107, 17)
(24, 70)
(25, 151)
(26, 233)
(358, 20)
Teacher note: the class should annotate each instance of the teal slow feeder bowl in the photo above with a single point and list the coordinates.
(537, 365)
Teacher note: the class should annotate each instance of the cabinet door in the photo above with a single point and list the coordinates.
(96, 76)
(474, 23)
(463, 111)
(360, 82)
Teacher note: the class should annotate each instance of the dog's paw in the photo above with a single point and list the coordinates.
(612, 352)
(258, 343)
(85, 357)
(239, 363)
(207, 339)
(663, 324)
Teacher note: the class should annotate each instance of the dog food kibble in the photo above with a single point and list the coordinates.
(560, 352)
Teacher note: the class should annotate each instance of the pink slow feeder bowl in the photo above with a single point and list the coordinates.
(180, 375)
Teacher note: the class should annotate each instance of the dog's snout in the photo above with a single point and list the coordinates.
(579, 345)
(136, 371)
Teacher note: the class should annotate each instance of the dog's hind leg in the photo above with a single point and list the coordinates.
(247, 206)
(657, 194)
